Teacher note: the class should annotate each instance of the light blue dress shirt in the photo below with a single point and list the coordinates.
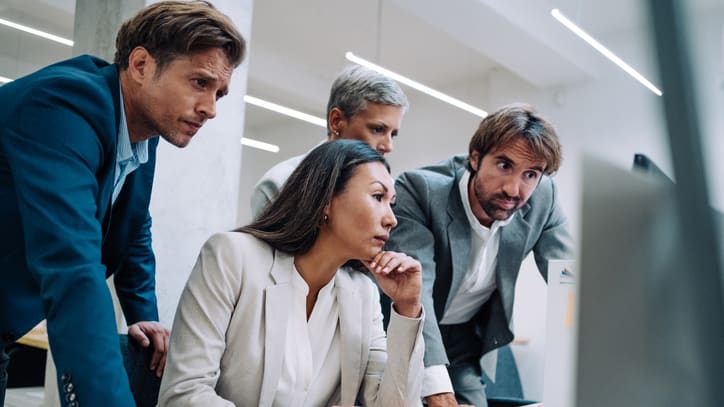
(129, 156)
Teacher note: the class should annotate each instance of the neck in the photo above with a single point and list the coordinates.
(137, 130)
(319, 265)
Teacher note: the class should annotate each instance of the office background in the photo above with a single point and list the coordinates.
(484, 52)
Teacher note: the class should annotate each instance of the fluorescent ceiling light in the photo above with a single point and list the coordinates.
(603, 50)
(285, 111)
(416, 85)
(260, 145)
(39, 33)
(5, 80)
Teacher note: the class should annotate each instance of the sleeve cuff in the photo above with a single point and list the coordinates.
(436, 381)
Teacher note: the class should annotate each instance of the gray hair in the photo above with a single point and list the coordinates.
(357, 85)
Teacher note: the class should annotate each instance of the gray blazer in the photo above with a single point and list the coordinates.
(269, 185)
(433, 228)
(228, 336)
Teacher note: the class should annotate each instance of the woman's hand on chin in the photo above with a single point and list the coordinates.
(400, 277)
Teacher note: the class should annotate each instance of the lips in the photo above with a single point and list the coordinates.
(382, 238)
(195, 126)
(506, 204)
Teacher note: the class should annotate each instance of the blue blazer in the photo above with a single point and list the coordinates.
(60, 236)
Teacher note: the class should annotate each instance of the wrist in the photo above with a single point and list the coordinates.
(441, 399)
(408, 309)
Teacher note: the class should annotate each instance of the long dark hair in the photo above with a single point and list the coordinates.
(291, 222)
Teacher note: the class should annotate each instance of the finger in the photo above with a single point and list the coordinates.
(135, 332)
(375, 260)
(161, 366)
(393, 261)
(383, 261)
(159, 349)
(409, 264)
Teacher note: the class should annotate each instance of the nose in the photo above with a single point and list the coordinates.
(512, 187)
(385, 146)
(389, 221)
(207, 106)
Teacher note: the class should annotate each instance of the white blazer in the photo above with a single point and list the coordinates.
(228, 336)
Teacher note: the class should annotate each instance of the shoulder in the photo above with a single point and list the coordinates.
(545, 193)
(443, 173)
(237, 248)
(84, 76)
(280, 172)
(543, 202)
(432, 184)
(83, 91)
(234, 241)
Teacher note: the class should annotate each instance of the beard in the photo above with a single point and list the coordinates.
(167, 132)
(491, 208)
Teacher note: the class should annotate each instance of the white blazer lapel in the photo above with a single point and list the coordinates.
(276, 309)
(350, 332)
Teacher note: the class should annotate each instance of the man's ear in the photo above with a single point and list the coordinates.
(337, 123)
(141, 64)
(475, 160)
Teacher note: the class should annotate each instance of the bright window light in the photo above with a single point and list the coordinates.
(416, 85)
(603, 50)
(260, 145)
(5, 80)
(39, 33)
(285, 111)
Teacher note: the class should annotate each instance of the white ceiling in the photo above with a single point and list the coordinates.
(297, 48)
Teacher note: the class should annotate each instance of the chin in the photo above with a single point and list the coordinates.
(178, 140)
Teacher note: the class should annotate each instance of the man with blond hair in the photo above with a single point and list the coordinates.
(77, 154)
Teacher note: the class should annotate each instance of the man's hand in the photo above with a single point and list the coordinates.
(443, 400)
(146, 333)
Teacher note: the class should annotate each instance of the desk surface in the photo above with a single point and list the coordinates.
(37, 337)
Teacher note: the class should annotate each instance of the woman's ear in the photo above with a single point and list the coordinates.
(325, 214)
(337, 122)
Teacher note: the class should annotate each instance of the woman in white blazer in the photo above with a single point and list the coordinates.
(269, 317)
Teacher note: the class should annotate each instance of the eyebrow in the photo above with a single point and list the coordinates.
(380, 123)
(381, 184)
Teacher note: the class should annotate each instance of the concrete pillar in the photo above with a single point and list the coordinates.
(96, 24)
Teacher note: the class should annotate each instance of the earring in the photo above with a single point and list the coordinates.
(326, 218)
(336, 133)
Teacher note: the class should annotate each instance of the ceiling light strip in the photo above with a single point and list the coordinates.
(603, 50)
(285, 111)
(260, 145)
(39, 33)
(416, 85)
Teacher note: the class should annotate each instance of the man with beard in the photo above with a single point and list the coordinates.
(470, 221)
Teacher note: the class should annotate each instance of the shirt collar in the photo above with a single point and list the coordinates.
(126, 150)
